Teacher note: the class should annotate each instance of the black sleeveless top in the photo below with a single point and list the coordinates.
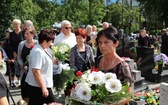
(86, 65)
(24, 54)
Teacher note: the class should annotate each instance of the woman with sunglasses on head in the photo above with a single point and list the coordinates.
(109, 61)
(40, 75)
(23, 53)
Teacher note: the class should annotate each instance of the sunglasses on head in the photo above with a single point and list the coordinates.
(67, 27)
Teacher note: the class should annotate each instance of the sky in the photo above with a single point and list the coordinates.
(113, 0)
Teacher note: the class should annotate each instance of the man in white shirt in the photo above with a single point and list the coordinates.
(66, 36)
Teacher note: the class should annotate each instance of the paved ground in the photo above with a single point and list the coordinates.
(16, 92)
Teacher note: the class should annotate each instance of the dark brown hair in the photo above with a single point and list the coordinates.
(110, 33)
(46, 34)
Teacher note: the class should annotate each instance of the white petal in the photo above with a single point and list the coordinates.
(110, 76)
(113, 85)
(96, 77)
(84, 93)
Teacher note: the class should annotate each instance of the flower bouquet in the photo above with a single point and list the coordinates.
(150, 98)
(61, 51)
(61, 80)
(94, 87)
(3, 64)
(161, 58)
(63, 74)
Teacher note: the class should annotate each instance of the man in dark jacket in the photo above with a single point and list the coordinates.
(164, 43)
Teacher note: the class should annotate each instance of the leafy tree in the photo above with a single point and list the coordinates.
(5, 16)
(83, 11)
(155, 10)
(25, 10)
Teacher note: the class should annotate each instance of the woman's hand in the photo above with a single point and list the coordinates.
(25, 68)
(45, 92)
(55, 61)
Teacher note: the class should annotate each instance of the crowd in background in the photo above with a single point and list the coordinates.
(28, 55)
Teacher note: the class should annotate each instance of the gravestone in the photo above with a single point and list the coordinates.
(138, 83)
(147, 64)
(146, 57)
(163, 94)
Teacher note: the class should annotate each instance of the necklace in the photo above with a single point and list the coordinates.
(110, 64)
(80, 49)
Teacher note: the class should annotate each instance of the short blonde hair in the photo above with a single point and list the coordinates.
(16, 21)
(94, 27)
(142, 30)
(31, 29)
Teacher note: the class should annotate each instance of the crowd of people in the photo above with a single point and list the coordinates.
(29, 57)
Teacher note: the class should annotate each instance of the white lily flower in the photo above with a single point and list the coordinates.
(113, 85)
(63, 49)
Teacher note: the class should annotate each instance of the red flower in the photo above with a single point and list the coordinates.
(79, 73)
(31, 46)
(69, 91)
(94, 69)
(157, 90)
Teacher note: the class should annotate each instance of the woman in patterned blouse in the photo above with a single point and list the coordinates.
(81, 55)
(109, 61)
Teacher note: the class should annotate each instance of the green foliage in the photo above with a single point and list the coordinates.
(100, 93)
(5, 16)
(115, 98)
(61, 80)
(44, 13)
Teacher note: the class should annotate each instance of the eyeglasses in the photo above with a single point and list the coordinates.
(68, 27)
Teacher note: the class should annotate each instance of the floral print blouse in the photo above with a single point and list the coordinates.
(122, 71)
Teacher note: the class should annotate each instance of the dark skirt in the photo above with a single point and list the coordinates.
(36, 97)
(24, 87)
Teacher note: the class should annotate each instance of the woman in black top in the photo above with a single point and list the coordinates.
(15, 38)
(23, 53)
(143, 39)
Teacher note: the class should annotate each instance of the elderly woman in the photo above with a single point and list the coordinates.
(143, 39)
(89, 34)
(81, 52)
(15, 38)
(23, 52)
(40, 75)
(109, 61)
